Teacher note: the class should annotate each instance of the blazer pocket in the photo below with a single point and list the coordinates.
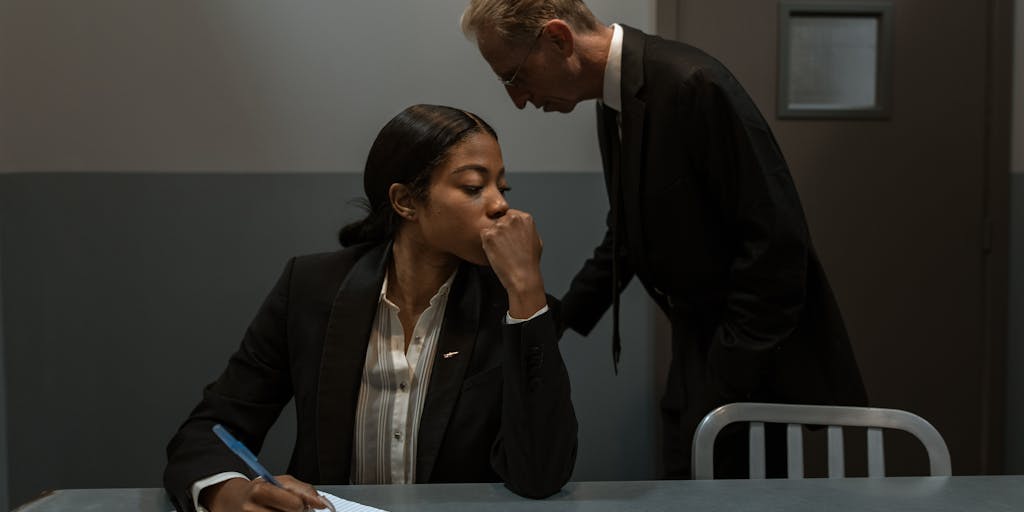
(488, 377)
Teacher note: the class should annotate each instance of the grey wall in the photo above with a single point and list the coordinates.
(252, 85)
(240, 115)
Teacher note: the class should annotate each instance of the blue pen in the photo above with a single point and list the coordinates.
(243, 453)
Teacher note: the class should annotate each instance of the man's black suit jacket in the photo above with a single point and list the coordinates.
(499, 410)
(712, 226)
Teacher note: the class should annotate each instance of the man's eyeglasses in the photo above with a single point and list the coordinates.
(511, 82)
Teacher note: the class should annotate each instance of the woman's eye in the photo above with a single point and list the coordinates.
(471, 189)
(505, 190)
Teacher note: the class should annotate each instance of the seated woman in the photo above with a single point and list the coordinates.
(423, 351)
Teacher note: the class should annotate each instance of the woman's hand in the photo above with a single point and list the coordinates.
(513, 249)
(239, 494)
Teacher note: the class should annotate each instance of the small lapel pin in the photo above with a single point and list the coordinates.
(449, 355)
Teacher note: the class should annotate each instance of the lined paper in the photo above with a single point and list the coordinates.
(342, 505)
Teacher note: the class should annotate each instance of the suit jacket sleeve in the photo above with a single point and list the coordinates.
(247, 398)
(535, 451)
(768, 274)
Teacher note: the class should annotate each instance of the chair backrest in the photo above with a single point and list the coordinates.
(795, 416)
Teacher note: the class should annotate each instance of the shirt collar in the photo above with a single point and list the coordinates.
(613, 71)
(441, 292)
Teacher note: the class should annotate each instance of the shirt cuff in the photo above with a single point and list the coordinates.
(509, 320)
(209, 481)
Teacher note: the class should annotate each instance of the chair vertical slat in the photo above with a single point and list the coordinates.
(756, 450)
(876, 453)
(836, 455)
(795, 450)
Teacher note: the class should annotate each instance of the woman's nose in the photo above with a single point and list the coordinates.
(498, 206)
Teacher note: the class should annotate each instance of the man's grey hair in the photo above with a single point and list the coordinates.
(519, 21)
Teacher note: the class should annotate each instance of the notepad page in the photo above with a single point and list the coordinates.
(342, 505)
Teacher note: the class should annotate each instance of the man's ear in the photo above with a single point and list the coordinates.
(560, 34)
(402, 201)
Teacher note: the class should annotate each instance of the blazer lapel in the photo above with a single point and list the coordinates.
(458, 334)
(341, 365)
(633, 113)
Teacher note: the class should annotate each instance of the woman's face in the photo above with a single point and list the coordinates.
(466, 195)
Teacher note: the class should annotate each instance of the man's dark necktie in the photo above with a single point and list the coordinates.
(611, 126)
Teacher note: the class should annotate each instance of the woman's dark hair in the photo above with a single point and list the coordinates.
(406, 151)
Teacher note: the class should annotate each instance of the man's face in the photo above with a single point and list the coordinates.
(540, 73)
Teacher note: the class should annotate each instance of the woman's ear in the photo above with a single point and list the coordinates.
(402, 201)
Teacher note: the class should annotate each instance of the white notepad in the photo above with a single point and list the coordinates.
(342, 505)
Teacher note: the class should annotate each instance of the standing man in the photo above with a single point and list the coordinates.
(703, 211)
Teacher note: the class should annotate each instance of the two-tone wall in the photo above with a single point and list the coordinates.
(160, 161)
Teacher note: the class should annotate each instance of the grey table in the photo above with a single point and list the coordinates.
(932, 494)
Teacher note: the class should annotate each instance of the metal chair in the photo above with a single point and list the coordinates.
(795, 416)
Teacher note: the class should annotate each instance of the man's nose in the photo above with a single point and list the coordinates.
(519, 96)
